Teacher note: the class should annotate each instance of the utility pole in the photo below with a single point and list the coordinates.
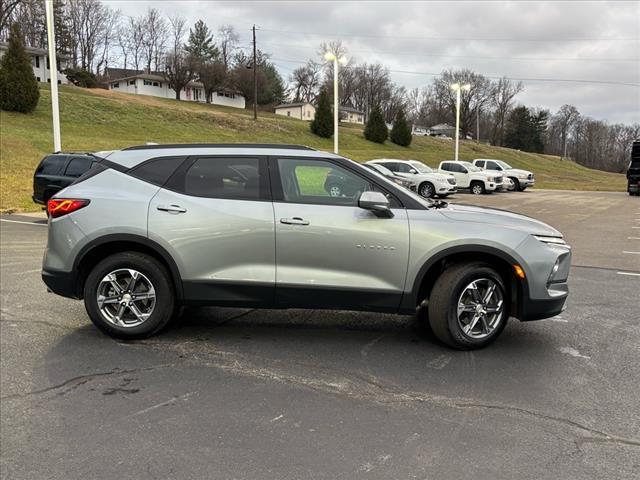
(53, 69)
(255, 77)
(478, 124)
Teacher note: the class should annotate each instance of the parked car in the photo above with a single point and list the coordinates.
(429, 182)
(521, 178)
(468, 176)
(152, 228)
(384, 171)
(633, 172)
(56, 171)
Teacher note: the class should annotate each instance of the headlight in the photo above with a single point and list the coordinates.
(491, 179)
(552, 240)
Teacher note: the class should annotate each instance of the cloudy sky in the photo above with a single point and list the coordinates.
(597, 43)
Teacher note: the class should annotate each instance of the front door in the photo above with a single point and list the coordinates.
(215, 218)
(329, 252)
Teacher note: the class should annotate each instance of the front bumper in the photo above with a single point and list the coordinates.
(64, 284)
(539, 309)
(525, 182)
(446, 189)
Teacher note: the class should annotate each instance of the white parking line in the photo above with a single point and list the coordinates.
(631, 253)
(631, 274)
(633, 238)
(24, 223)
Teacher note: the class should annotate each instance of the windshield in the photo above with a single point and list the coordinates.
(421, 167)
(504, 165)
(471, 167)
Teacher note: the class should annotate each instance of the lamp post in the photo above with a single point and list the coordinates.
(331, 57)
(456, 87)
(53, 69)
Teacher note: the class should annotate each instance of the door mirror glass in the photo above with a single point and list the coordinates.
(377, 202)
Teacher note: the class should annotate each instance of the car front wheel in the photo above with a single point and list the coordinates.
(477, 188)
(129, 295)
(426, 190)
(468, 306)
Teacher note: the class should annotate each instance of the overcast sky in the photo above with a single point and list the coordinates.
(589, 41)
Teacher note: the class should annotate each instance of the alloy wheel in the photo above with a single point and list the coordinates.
(426, 190)
(476, 189)
(126, 298)
(480, 308)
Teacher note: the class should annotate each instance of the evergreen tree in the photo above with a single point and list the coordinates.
(18, 85)
(322, 124)
(200, 46)
(401, 131)
(525, 129)
(376, 130)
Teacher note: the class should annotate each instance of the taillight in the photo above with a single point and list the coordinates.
(58, 207)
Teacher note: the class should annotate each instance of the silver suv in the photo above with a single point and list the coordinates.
(155, 227)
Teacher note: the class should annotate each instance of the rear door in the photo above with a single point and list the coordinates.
(215, 217)
(329, 252)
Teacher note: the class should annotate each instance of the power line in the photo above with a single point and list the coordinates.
(495, 77)
(428, 55)
(485, 39)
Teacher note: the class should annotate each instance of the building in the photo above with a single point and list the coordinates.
(155, 84)
(351, 115)
(299, 110)
(40, 63)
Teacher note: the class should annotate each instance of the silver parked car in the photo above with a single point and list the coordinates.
(154, 227)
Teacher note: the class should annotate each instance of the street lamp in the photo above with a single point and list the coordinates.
(456, 87)
(331, 57)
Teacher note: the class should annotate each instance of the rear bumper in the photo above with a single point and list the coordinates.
(538, 309)
(61, 283)
(633, 186)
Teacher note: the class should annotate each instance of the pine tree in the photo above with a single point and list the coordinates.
(200, 45)
(376, 130)
(401, 131)
(322, 124)
(18, 85)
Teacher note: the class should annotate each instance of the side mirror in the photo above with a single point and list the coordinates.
(376, 202)
(413, 171)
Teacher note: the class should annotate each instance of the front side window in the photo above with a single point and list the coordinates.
(504, 165)
(320, 182)
(492, 166)
(214, 177)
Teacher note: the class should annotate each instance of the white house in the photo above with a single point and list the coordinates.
(155, 84)
(299, 110)
(40, 63)
(351, 115)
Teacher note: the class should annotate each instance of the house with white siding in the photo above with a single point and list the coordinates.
(155, 84)
(299, 110)
(40, 63)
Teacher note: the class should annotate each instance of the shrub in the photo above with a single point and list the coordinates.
(376, 130)
(401, 131)
(18, 85)
(322, 124)
(81, 78)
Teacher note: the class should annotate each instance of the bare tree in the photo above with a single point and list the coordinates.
(566, 117)
(154, 38)
(502, 95)
(109, 35)
(6, 11)
(305, 82)
(180, 68)
(135, 34)
(228, 39)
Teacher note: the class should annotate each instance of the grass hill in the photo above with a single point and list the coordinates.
(93, 120)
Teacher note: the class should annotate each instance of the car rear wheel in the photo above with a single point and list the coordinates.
(468, 306)
(477, 188)
(129, 295)
(426, 190)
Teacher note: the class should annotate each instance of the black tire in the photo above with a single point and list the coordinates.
(477, 188)
(426, 190)
(155, 272)
(517, 184)
(522, 189)
(443, 302)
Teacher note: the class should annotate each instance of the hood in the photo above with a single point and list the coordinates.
(517, 171)
(503, 218)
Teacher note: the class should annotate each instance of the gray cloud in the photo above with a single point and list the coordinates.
(432, 36)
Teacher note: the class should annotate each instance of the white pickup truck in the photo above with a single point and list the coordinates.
(471, 177)
(521, 178)
(429, 183)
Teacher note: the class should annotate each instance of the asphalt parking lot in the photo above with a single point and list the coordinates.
(255, 394)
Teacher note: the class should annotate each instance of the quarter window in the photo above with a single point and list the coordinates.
(237, 178)
(320, 182)
(78, 166)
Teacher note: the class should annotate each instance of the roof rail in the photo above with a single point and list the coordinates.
(220, 145)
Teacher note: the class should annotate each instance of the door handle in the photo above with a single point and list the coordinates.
(294, 221)
(171, 208)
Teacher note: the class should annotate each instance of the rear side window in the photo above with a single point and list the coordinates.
(480, 164)
(157, 171)
(447, 167)
(52, 165)
(391, 166)
(215, 177)
(78, 166)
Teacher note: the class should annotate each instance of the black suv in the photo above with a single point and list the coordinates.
(57, 171)
(633, 173)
